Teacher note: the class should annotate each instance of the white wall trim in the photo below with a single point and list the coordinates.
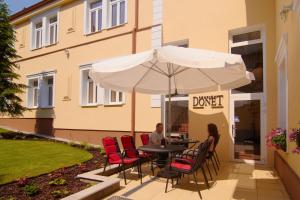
(296, 7)
(282, 50)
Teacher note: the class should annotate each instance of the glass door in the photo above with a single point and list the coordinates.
(247, 128)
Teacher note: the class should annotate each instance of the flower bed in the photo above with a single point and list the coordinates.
(277, 139)
(55, 185)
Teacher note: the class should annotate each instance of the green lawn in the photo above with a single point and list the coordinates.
(3, 130)
(20, 158)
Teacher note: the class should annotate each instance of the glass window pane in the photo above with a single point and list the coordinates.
(120, 96)
(247, 129)
(122, 12)
(90, 92)
(96, 4)
(52, 34)
(246, 37)
(93, 21)
(50, 95)
(38, 39)
(113, 96)
(253, 58)
(179, 116)
(53, 20)
(114, 14)
(35, 83)
(35, 97)
(99, 19)
(39, 25)
(50, 81)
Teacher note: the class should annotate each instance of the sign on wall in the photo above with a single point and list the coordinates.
(212, 101)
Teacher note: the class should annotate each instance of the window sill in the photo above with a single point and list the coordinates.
(116, 26)
(114, 104)
(42, 108)
(35, 49)
(90, 106)
(50, 45)
(108, 28)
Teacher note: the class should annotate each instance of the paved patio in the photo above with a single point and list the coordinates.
(234, 181)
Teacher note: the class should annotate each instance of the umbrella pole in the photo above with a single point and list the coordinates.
(169, 105)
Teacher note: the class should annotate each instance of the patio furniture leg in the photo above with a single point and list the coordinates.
(213, 157)
(205, 177)
(152, 169)
(213, 166)
(124, 174)
(217, 157)
(167, 185)
(197, 186)
(105, 166)
(172, 183)
(140, 172)
(208, 170)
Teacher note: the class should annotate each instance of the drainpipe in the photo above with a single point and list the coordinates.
(133, 95)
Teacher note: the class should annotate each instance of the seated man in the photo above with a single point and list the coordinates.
(155, 139)
(157, 135)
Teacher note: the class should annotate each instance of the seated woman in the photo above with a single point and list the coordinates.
(213, 136)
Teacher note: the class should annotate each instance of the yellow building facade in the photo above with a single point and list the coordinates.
(59, 40)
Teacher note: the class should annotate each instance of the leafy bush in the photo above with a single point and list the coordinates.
(86, 146)
(102, 151)
(72, 144)
(8, 198)
(31, 189)
(277, 139)
(58, 181)
(60, 193)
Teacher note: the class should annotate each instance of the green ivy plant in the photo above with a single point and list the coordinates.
(60, 193)
(58, 181)
(31, 189)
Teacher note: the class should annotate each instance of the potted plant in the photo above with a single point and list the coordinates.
(277, 139)
(294, 136)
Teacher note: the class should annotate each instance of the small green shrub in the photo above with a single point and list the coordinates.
(31, 189)
(60, 193)
(58, 181)
(72, 144)
(86, 146)
(8, 198)
(102, 151)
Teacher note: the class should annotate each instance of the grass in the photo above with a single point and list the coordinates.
(3, 130)
(25, 158)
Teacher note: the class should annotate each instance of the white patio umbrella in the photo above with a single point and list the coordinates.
(171, 69)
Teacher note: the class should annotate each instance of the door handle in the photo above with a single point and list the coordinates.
(233, 130)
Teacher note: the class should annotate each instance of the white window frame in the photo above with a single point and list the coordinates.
(96, 10)
(118, 2)
(38, 31)
(55, 31)
(33, 89)
(281, 60)
(117, 102)
(261, 95)
(95, 88)
(41, 88)
(87, 16)
(45, 30)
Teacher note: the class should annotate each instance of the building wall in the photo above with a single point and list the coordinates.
(69, 114)
(291, 26)
(206, 24)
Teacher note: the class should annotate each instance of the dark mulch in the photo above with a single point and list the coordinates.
(73, 185)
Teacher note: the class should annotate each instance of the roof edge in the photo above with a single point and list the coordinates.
(30, 9)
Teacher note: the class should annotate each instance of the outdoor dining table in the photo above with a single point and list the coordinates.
(185, 142)
(162, 149)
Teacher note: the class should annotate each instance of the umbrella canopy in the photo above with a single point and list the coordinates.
(171, 69)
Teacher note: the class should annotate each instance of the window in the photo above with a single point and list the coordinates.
(250, 46)
(91, 91)
(117, 12)
(44, 29)
(92, 94)
(38, 34)
(33, 91)
(52, 30)
(41, 91)
(115, 97)
(95, 15)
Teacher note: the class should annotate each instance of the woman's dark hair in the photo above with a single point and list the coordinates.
(213, 130)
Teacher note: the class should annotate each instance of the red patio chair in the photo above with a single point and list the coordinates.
(131, 151)
(185, 167)
(114, 156)
(145, 139)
